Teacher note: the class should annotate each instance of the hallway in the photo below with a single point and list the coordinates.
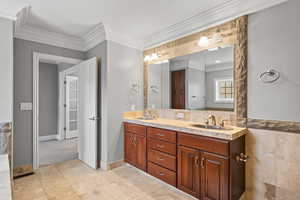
(55, 151)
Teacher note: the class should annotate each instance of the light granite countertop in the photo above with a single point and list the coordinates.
(5, 184)
(188, 127)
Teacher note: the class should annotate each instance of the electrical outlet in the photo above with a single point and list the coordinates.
(179, 115)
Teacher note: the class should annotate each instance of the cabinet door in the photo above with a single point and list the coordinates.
(214, 177)
(129, 148)
(140, 150)
(188, 170)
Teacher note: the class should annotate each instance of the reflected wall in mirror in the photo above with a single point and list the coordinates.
(198, 81)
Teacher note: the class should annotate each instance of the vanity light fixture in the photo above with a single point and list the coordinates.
(204, 41)
(151, 57)
(154, 56)
(147, 58)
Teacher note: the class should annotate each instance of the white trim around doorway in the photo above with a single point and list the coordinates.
(37, 57)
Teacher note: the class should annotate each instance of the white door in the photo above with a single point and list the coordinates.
(72, 128)
(88, 111)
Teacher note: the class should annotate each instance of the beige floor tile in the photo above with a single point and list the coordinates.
(72, 180)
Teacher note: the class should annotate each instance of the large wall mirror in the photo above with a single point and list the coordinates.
(203, 71)
(197, 81)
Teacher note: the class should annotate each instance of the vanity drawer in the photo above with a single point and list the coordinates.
(162, 159)
(161, 134)
(204, 143)
(161, 146)
(163, 174)
(134, 128)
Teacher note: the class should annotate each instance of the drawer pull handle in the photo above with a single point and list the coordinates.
(160, 146)
(161, 159)
(161, 174)
(160, 135)
(202, 162)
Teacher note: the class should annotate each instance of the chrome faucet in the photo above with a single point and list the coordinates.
(213, 119)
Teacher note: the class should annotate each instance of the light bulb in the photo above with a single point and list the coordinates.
(147, 58)
(204, 41)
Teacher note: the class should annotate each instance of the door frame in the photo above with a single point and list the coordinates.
(48, 58)
(61, 100)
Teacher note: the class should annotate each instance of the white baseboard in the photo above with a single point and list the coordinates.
(48, 137)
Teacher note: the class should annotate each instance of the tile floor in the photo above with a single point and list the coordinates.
(55, 151)
(72, 180)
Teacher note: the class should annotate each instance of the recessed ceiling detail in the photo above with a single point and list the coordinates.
(140, 24)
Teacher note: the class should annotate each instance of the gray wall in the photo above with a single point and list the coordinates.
(196, 88)
(64, 66)
(23, 55)
(211, 89)
(124, 70)
(6, 66)
(48, 99)
(274, 42)
(121, 66)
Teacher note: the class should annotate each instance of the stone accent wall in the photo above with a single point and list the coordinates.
(272, 173)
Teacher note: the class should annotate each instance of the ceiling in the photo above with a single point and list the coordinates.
(130, 19)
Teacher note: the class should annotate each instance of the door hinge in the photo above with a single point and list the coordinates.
(65, 82)
(65, 128)
(65, 105)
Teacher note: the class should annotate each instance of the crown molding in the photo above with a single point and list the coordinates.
(124, 40)
(35, 34)
(93, 37)
(26, 31)
(224, 12)
(6, 15)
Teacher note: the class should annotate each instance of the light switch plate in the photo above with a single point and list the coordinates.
(25, 106)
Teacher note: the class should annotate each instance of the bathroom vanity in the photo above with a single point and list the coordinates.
(207, 164)
(200, 77)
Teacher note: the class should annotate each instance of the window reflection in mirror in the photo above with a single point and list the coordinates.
(199, 81)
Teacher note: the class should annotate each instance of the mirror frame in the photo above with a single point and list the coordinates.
(233, 33)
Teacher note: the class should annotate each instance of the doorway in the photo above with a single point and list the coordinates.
(65, 110)
(57, 145)
(178, 89)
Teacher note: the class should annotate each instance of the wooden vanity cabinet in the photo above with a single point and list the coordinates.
(212, 162)
(214, 177)
(203, 167)
(188, 179)
(135, 146)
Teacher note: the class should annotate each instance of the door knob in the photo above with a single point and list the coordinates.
(94, 118)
